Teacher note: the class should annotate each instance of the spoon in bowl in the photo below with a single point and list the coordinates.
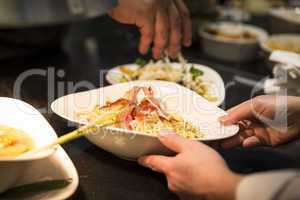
(108, 120)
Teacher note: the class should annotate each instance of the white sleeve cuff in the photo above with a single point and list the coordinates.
(263, 186)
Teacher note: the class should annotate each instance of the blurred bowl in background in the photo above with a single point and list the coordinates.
(283, 42)
(233, 42)
(284, 20)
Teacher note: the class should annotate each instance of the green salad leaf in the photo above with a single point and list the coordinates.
(140, 62)
(196, 72)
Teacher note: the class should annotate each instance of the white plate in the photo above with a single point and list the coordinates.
(131, 145)
(58, 166)
(210, 76)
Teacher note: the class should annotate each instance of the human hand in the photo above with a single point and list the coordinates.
(196, 171)
(264, 120)
(165, 23)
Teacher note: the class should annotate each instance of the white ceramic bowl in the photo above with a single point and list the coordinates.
(21, 115)
(283, 38)
(210, 76)
(131, 145)
(231, 50)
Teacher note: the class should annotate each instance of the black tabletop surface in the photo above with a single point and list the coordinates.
(98, 45)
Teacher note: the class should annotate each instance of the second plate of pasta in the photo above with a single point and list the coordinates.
(202, 79)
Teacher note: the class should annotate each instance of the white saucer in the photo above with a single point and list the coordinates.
(56, 167)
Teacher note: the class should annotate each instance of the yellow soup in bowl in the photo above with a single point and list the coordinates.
(14, 142)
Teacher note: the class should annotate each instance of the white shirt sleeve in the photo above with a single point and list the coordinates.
(274, 185)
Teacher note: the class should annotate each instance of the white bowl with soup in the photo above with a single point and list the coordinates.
(22, 129)
(282, 42)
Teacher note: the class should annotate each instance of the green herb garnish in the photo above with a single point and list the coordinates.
(140, 62)
(196, 72)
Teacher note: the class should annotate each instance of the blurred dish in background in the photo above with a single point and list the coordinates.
(201, 79)
(228, 13)
(288, 14)
(285, 20)
(283, 42)
(257, 7)
(238, 34)
(233, 42)
(286, 74)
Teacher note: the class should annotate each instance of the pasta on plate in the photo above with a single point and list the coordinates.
(145, 115)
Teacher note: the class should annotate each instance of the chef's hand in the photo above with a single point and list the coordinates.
(166, 23)
(264, 120)
(196, 171)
